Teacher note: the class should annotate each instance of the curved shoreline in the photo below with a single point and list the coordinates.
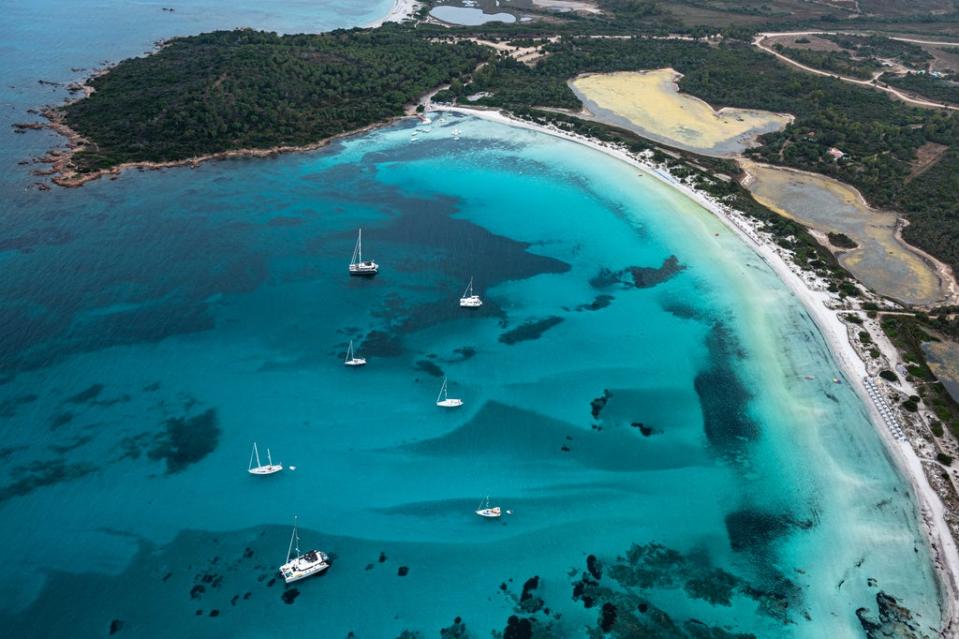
(929, 507)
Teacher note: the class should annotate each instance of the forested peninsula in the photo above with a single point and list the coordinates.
(245, 89)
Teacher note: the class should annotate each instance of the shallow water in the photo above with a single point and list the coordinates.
(156, 325)
(469, 16)
(881, 261)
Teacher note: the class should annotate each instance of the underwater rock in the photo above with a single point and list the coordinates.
(597, 405)
(187, 440)
(429, 368)
(290, 595)
(116, 626)
(895, 620)
(529, 330)
(599, 302)
(594, 567)
(607, 617)
(403, 571)
(197, 591)
(518, 628)
(86, 395)
(754, 529)
(645, 277)
(527, 601)
(382, 557)
(456, 631)
(214, 613)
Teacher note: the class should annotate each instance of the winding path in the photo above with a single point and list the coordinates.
(759, 42)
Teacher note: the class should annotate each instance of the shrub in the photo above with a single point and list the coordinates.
(936, 427)
(888, 375)
(944, 459)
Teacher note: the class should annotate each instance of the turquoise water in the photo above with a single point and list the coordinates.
(156, 325)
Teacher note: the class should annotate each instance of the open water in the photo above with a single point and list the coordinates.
(635, 390)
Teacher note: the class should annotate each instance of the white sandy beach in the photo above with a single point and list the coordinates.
(931, 510)
(401, 10)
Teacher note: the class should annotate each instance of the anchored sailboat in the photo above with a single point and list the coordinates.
(485, 510)
(359, 266)
(352, 359)
(302, 565)
(443, 400)
(470, 299)
(263, 469)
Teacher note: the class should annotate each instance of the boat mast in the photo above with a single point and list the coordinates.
(269, 458)
(349, 351)
(294, 542)
(359, 245)
(255, 454)
(443, 393)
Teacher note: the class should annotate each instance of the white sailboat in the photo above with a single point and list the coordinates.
(470, 299)
(352, 359)
(490, 512)
(443, 400)
(359, 266)
(302, 565)
(263, 469)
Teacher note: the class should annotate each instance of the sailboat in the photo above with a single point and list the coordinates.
(484, 510)
(302, 565)
(443, 400)
(352, 359)
(260, 469)
(469, 298)
(359, 266)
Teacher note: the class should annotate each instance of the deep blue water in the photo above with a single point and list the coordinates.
(634, 390)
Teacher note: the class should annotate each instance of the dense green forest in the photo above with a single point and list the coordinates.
(247, 89)
(839, 62)
(928, 86)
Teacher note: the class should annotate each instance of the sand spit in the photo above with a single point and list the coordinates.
(650, 104)
(820, 305)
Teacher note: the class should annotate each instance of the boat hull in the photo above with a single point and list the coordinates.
(356, 361)
(450, 403)
(470, 302)
(304, 566)
(266, 470)
(364, 269)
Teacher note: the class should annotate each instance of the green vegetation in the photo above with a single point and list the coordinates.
(888, 375)
(841, 240)
(839, 62)
(874, 46)
(944, 459)
(908, 334)
(928, 86)
(246, 89)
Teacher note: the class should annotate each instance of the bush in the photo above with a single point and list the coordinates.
(865, 337)
(888, 375)
(936, 427)
(874, 353)
(910, 406)
(944, 459)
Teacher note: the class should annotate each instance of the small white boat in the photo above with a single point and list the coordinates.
(263, 469)
(487, 511)
(359, 266)
(443, 400)
(352, 359)
(469, 298)
(302, 565)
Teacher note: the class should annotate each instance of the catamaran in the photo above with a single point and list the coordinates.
(359, 266)
(302, 565)
(352, 359)
(485, 510)
(260, 469)
(470, 299)
(443, 400)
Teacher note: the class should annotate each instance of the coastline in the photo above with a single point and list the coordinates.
(400, 11)
(929, 507)
(65, 176)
